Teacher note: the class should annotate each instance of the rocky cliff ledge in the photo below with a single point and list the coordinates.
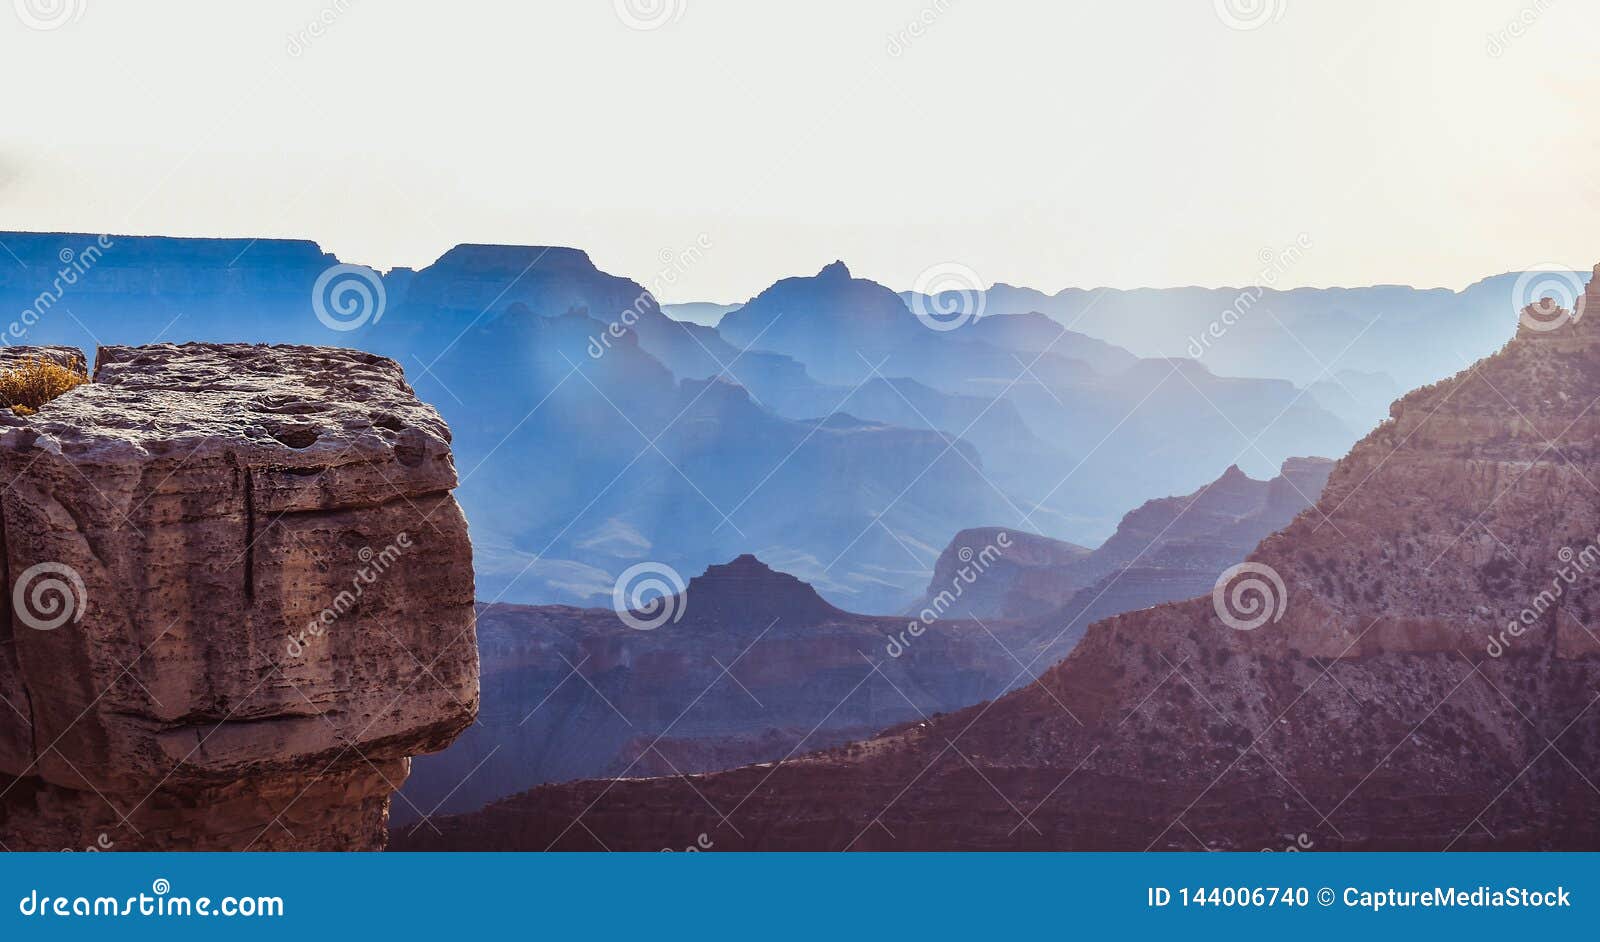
(240, 600)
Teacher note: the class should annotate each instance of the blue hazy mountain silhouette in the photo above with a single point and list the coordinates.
(1107, 430)
(1412, 336)
(820, 425)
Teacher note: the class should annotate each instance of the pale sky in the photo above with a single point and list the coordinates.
(1041, 143)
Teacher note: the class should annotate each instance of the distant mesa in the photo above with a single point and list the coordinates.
(747, 586)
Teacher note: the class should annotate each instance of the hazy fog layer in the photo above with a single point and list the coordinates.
(1047, 144)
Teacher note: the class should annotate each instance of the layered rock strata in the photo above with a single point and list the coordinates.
(240, 600)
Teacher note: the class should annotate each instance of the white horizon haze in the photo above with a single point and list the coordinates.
(1165, 143)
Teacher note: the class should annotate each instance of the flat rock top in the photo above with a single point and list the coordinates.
(209, 513)
(282, 406)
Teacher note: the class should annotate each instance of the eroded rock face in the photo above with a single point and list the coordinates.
(242, 599)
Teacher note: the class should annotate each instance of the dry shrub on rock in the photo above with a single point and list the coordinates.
(32, 382)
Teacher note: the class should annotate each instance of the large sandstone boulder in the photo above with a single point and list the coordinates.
(241, 599)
